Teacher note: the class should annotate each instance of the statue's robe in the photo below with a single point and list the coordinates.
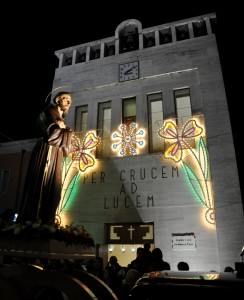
(42, 191)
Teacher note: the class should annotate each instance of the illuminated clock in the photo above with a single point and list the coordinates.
(129, 71)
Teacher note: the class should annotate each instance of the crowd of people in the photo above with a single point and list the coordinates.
(121, 279)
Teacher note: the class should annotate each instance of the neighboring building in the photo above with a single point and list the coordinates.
(14, 159)
(168, 176)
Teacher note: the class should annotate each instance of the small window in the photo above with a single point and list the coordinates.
(148, 40)
(109, 49)
(95, 52)
(165, 36)
(128, 38)
(183, 106)
(183, 109)
(129, 111)
(104, 129)
(155, 121)
(199, 28)
(67, 59)
(81, 115)
(182, 32)
(81, 56)
(129, 119)
(213, 23)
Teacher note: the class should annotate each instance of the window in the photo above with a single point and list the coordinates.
(81, 55)
(4, 179)
(128, 38)
(155, 121)
(148, 40)
(182, 32)
(67, 59)
(129, 111)
(165, 36)
(213, 23)
(104, 129)
(183, 106)
(81, 115)
(95, 52)
(183, 109)
(128, 118)
(199, 28)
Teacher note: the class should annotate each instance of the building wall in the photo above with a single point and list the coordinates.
(148, 187)
(193, 63)
(14, 156)
(145, 189)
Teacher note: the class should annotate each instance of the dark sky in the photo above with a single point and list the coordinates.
(31, 34)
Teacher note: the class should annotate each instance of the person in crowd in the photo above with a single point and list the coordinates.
(95, 266)
(140, 263)
(228, 269)
(113, 274)
(158, 264)
(148, 252)
(127, 284)
(183, 266)
(42, 191)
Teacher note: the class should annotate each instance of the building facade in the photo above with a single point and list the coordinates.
(157, 164)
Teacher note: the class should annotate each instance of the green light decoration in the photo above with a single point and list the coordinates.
(73, 165)
(68, 191)
(195, 162)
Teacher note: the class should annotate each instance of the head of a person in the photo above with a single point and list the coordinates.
(229, 269)
(140, 252)
(147, 246)
(113, 260)
(131, 277)
(183, 266)
(157, 254)
(63, 100)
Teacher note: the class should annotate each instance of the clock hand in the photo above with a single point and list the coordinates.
(129, 70)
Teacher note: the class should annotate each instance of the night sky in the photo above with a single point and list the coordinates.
(31, 33)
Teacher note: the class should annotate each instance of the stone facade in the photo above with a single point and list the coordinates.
(148, 187)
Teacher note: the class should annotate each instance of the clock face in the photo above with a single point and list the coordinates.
(129, 71)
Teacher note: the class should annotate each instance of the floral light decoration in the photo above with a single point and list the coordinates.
(127, 140)
(79, 161)
(194, 161)
(84, 153)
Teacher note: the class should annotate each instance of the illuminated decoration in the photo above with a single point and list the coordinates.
(110, 248)
(73, 165)
(195, 162)
(123, 248)
(126, 141)
(184, 275)
(84, 151)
